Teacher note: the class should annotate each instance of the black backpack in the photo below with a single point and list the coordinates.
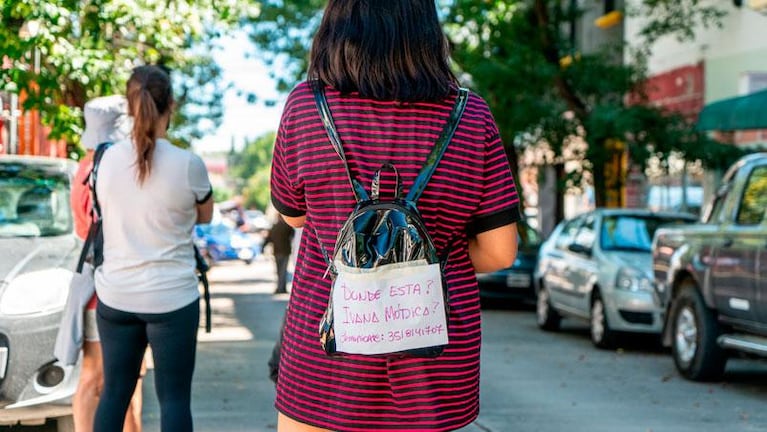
(385, 233)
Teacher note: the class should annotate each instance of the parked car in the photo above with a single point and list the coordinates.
(711, 278)
(221, 242)
(39, 251)
(598, 267)
(515, 282)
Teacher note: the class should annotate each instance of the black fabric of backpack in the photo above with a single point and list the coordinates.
(381, 231)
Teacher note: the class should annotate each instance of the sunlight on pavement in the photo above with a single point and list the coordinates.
(226, 327)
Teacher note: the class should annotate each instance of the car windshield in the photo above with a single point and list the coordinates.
(632, 232)
(34, 201)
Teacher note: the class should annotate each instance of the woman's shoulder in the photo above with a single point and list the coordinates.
(476, 102)
(301, 91)
(175, 153)
(299, 103)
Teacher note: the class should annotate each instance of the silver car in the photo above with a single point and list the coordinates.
(38, 249)
(598, 267)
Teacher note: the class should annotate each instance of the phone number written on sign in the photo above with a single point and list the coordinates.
(395, 335)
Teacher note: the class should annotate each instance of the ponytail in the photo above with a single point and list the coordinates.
(144, 135)
(149, 98)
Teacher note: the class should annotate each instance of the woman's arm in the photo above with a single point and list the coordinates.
(205, 211)
(495, 249)
(295, 222)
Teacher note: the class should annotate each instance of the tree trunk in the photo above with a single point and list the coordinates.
(561, 176)
(600, 186)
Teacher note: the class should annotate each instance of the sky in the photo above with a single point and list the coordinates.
(242, 120)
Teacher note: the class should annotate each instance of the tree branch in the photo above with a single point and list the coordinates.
(551, 54)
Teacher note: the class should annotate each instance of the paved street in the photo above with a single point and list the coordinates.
(531, 381)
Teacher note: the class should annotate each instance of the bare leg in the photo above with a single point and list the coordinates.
(287, 424)
(86, 398)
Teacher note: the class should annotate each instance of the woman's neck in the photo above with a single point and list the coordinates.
(162, 126)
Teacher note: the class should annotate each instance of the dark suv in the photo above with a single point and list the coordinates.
(711, 278)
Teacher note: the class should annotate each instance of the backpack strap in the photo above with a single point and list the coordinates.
(431, 161)
(327, 119)
(202, 270)
(94, 232)
(97, 156)
(439, 147)
(86, 249)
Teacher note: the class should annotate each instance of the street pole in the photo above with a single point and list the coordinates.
(37, 135)
(13, 142)
(33, 130)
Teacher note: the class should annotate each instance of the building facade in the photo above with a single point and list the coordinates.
(721, 63)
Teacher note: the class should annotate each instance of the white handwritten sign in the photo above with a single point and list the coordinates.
(389, 309)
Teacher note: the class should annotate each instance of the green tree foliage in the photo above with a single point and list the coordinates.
(87, 48)
(282, 33)
(521, 57)
(251, 169)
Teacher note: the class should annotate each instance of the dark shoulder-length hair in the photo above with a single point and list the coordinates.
(383, 49)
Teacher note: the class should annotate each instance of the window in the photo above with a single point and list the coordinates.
(34, 201)
(567, 235)
(633, 233)
(752, 82)
(586, 236)
(754, 200)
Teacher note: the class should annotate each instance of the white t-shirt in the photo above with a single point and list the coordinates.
(149, 262)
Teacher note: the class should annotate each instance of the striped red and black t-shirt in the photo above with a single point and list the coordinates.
(471, 191)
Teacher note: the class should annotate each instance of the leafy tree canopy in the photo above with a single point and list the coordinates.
(253, 164)
(523, 58)
(87, 48)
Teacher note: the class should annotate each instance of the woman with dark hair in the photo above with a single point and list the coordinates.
(384, 67)
(151, 195)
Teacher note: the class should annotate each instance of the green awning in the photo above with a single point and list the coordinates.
(738, 113)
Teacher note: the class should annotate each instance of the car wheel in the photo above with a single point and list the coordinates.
(696, 353)
(548, 318)
(602, 336)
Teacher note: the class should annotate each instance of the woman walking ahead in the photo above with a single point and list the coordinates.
(385, 69)
(151, 195)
